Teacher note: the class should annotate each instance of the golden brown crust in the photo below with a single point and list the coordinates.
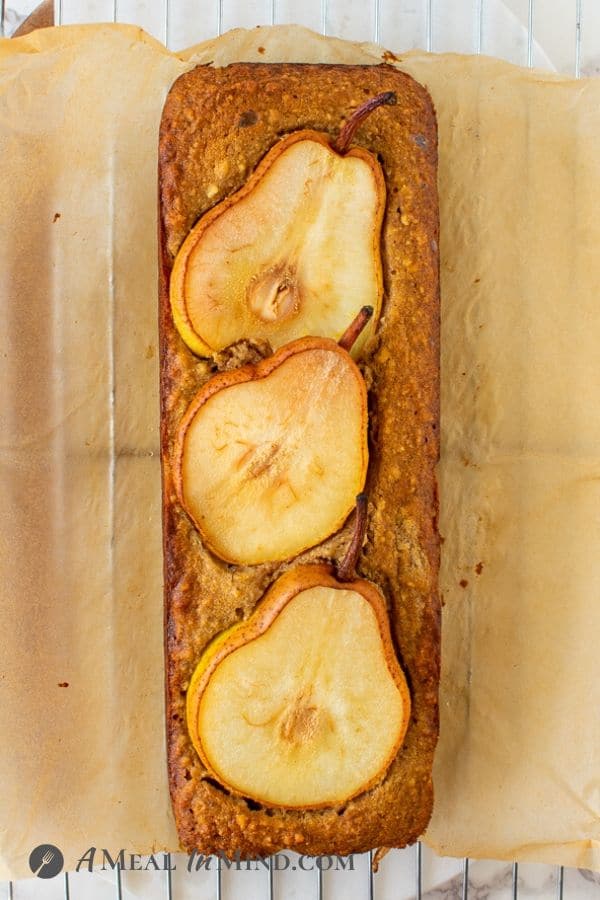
(217, 125)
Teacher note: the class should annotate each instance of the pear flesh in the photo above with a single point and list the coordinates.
(295, 252)
(271, 466)
(312, 711)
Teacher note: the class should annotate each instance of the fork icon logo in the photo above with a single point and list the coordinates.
(46, 861)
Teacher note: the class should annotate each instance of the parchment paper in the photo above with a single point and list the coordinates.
(518, 767)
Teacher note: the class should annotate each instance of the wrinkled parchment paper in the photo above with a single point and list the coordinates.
(82, 759)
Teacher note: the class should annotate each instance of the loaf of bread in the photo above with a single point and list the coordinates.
(217, 125)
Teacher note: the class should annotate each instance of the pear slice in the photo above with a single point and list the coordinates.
(295, 252)
(271, 456)
(305, 704)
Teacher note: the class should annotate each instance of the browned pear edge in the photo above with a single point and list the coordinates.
(255, 372)
(277, 597)
(178, 283)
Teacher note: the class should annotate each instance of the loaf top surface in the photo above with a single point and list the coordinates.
(217, 125)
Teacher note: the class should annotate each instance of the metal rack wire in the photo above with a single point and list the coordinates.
(429, 5)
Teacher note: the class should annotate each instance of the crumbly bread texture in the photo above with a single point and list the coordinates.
(217, 124)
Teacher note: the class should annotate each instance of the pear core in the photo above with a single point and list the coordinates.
(294, 252)
(312, 710)
(273, 295)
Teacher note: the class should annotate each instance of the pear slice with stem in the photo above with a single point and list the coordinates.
(294, 252)
(304, 704)
(270, 456)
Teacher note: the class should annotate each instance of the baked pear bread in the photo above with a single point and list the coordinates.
(299, 354)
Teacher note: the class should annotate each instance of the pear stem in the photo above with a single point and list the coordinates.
(350, 336)
(346, 570)
(346, 135)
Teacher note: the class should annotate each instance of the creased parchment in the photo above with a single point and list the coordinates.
(81, 680)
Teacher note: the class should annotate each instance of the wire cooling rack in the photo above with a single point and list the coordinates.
(423, 20)
(268, 887)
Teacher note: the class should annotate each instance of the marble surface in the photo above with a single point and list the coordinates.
(402, 23)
